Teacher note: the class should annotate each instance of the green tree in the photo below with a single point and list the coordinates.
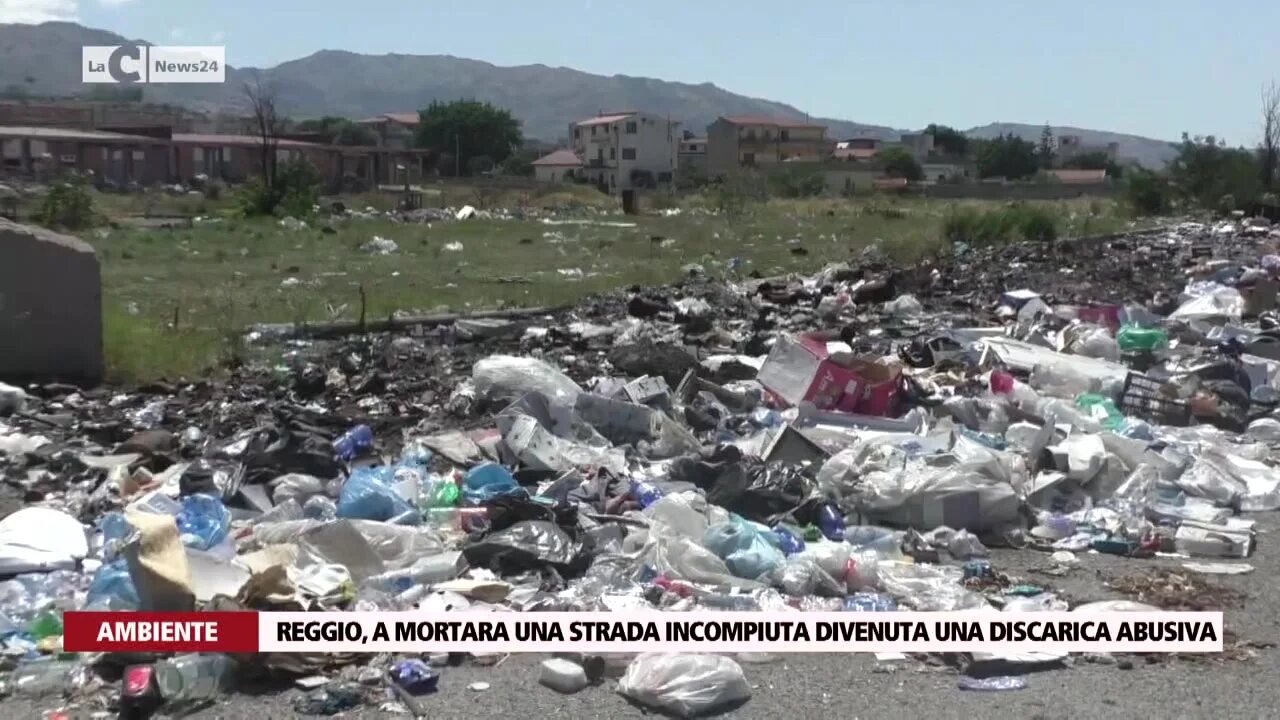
(1147, 192)
(469, 129)
(1206, 170)
(949, 140)
(339, 130)
(1045, 153)
(898, 162)
(1098, 160)
(1007, 156)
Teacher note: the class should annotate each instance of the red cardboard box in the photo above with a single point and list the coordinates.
(805, 367)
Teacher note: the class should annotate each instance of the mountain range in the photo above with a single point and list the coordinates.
(44, 60)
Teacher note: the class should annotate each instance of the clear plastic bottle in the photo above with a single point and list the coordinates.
(194, 676)
(464, 519)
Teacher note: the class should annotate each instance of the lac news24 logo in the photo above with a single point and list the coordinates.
(132, 64)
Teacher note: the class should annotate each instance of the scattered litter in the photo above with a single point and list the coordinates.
(380, 246)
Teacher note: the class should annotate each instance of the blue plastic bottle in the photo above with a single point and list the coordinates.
(645, 493)
(354, 443)
(831, 522)
(788, 542)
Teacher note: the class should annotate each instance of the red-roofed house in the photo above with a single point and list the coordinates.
(751, 140)
(624, 150)
(393, 129)
(557, 166)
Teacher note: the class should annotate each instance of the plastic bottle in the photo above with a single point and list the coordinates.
(788, 541)
(440, 491)
(42, 677)
(645, 493)
(831, 522)
(563, 676)
(46, 624)
(354, 443)
(194, 676)
(318, 507)
(112, 588)
(415, 676)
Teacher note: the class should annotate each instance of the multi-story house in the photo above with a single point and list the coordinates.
(626, 150)
(748, 141)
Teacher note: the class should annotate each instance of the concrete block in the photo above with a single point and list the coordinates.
(50, 307)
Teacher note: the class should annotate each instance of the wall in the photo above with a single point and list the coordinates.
(722, 148)
(552, 173)
(1020, 191)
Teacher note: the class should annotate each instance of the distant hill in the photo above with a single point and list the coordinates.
(1148, 152)
(44, 60)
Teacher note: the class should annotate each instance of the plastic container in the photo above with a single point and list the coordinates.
(354, 443)
(788, 541)
(194, 676)
(1132, 338)
(203, 522)
(440, 491)
(1142, 398)
(563, 676)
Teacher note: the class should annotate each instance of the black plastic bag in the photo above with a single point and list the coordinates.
(528, 545)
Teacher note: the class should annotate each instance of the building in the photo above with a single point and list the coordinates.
(945, 170)
(1070, 146)
(626, 150)
(692, 156)
(920, 145)
(394, 130)
(111, 157)
(557, 166)
(857, 149)
(750, 141)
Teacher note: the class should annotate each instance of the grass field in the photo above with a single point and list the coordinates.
(226, 273)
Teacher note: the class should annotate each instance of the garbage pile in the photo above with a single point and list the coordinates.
(855, 440)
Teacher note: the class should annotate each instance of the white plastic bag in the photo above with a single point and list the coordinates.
(685, 685)
(37, 539)
(506, 377)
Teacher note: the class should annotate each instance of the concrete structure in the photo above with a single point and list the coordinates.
(1079, 177)
(920, 145)
(625, 150)
(50, 307)
(558, 166)
(944, 171)
(749, 141)
(857, 149)
(1070, 146)
(692, 156)
(130, 118)
(394, 130)
(46, 151)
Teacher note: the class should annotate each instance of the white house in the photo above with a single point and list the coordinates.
(626, 150)
(559, 166)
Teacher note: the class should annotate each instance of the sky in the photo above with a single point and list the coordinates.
(1142, 67)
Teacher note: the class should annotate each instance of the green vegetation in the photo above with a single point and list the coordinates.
(948, 140)
(797, 183)
(295, 191)
(478, 135)
(219, 277)
(898, 162)
(1206, 170)
(1147, 193)
(1098, 160)
(1007, 156)
(1018, 221)
(67, 205)
(339, 131)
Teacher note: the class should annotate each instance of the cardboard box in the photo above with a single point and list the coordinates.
(807, 368)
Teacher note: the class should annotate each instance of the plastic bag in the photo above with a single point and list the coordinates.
(748, 550)
(369, 495)
(203, 522)
(1095, 342)
(506, 377)
(685, 685)
(112, 589)
(37, 539)
(527, 545)
(903, 306)
(489, 480)
(1135, 338)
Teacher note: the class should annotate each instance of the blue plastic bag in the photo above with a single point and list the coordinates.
(203, 522)
(748, 549)
(112, 589)
(487, 481)
(369, 494)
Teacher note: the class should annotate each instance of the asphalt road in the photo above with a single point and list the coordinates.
(849, 687)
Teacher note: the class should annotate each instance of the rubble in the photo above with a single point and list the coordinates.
(858, 440)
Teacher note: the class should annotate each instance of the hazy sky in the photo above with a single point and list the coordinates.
(1141, 66)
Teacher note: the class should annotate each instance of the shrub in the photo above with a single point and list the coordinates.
(1037, 224)
(213, 190)
(1000, 226)
(798, 184)
(295, 192)
(1147, 193)
(67, 205)
(733, 193)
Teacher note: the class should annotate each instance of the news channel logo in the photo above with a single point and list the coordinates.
(133, 64)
